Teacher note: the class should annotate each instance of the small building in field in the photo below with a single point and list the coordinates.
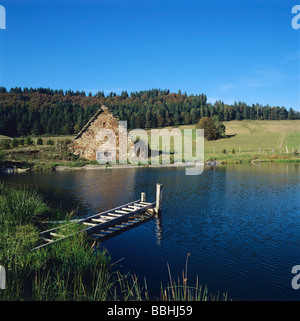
(87, 143)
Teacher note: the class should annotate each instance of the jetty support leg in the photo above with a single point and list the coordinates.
(158, 198)
(143, 197)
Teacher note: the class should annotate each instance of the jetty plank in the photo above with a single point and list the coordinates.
(110, 222)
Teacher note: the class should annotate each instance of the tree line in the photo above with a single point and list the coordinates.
(44, 111)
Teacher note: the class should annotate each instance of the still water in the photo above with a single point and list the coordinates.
(240, 223)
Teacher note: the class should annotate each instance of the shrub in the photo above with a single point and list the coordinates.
(213, 127)
(5, 144)
(15, 142)
(28, 141)
(2, 187)
(78, 164)
(50, 142)
(2, 155)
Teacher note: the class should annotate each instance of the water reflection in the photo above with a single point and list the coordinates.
(159, 229)
(101, 189)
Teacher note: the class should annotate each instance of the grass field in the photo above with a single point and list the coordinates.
(256, 136)
(251, 139)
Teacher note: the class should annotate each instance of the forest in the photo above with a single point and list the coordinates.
(44, 111)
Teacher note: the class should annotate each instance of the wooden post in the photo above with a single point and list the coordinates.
(158, 197)
(143, 197)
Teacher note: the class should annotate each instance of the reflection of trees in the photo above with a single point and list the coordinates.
(103, 189)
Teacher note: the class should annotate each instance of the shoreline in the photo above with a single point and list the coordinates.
(183, 165)
(117, 166)
(14, 167)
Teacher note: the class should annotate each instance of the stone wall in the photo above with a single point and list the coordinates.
(86, 144)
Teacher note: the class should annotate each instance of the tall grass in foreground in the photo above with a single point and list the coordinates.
(132, 290)
(68, 270)
(181, 291)
(20, 205)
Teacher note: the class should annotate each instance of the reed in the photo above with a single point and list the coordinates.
(180, 290)
(19, 205)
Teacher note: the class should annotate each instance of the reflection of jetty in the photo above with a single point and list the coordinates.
(109, 223)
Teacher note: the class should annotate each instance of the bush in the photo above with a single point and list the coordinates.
(94, 162)
(5, 144)
(28, 141)
(233, 151)
(50, 142)
(21, 141)
(39, 141)
(78, 164)
(15, 142)
(2, 157)
(213, 128)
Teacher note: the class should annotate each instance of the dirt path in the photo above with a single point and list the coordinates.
(283, 137)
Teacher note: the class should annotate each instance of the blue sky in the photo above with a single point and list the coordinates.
(233, 50)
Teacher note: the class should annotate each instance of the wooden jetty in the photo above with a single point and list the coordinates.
(109, 223)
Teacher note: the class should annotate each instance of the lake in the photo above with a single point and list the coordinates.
(240, 223)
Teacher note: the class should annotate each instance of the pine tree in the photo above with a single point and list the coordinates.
(187, 118)
(291, 114)
(176, 119)
(194, 117)
(160, 120)
(132, 121)
(168, 120)
(148, 123)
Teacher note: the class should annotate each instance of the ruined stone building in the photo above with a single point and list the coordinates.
(88, 141)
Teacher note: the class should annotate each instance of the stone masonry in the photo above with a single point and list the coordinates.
(86, 144)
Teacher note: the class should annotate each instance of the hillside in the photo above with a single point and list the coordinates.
(44, 111)
(255, 136)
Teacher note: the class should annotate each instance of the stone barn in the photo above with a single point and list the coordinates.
(87, 143)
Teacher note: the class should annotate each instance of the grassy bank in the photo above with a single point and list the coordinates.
(47, 158)
(39, 158)
(74, 269)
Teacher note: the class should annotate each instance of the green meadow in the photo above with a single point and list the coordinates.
(256, 136)
(251, 139)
